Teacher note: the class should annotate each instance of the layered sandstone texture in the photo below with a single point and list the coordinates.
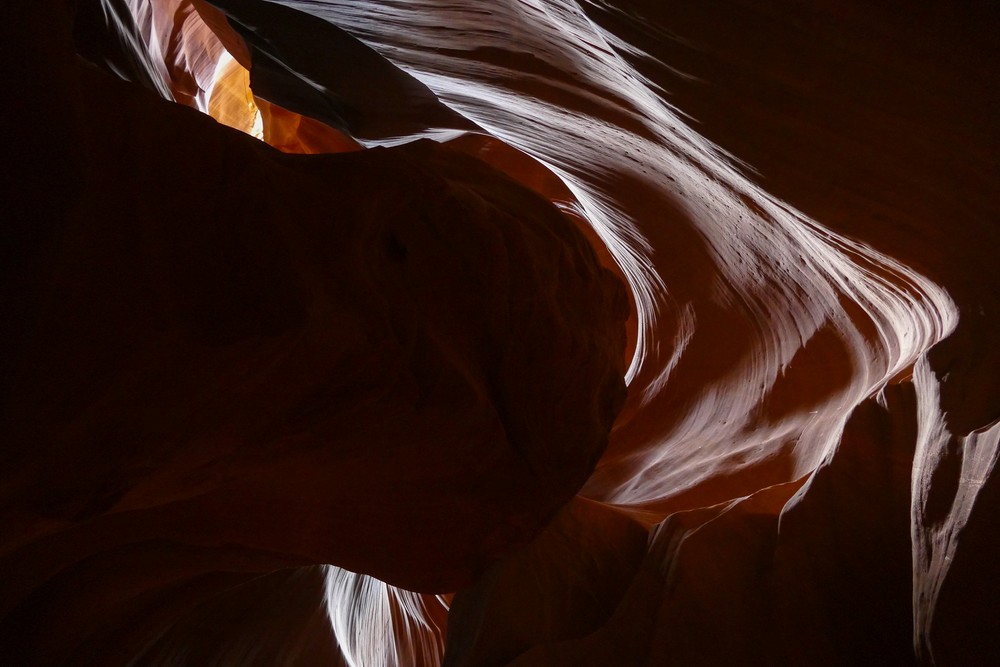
(470, 333)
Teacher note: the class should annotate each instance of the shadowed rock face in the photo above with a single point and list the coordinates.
(226, 366)
(226, 360)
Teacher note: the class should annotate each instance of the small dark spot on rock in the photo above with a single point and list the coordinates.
(395, 248)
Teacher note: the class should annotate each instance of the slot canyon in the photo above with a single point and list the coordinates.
(489, 333)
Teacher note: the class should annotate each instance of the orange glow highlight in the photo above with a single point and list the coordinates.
(290, 132)
(204, 64)
(231, 102)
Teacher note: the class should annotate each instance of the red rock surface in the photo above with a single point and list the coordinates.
(224, 366)
(226, 360)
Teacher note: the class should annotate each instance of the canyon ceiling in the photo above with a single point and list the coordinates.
(486, 333)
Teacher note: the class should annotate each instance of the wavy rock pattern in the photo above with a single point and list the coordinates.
(227, 362)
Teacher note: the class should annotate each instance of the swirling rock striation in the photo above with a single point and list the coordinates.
(226, 362)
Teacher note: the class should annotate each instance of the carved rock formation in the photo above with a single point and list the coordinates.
(314, 389)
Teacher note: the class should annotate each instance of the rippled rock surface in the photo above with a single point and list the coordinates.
(358, 396)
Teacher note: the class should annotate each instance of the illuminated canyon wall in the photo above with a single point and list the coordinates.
(529, 332)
